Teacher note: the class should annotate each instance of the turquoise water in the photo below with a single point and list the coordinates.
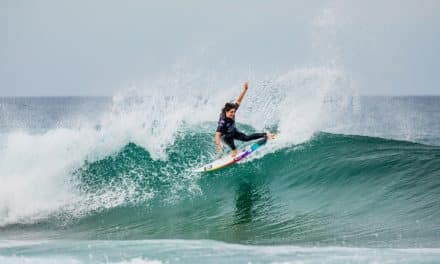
(80, 188)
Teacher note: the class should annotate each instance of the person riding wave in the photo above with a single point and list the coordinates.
(226, 130)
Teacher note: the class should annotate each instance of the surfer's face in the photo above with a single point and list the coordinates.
(231, 113)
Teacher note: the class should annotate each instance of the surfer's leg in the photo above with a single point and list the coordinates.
(243, 137)
(230, 142)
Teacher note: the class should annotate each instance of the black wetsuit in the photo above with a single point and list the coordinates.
(226, 126)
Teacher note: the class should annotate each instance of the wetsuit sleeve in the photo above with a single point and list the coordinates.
(221, 125)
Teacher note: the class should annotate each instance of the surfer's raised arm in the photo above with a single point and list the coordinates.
(240, 97)
(228, 111)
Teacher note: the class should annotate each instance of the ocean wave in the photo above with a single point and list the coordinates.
(332, 189)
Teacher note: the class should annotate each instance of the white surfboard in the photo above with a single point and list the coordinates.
(229, 160)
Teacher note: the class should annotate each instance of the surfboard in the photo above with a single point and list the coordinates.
(229, 160)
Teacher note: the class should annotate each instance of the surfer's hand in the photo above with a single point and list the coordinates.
(219, 148)
(246, 85)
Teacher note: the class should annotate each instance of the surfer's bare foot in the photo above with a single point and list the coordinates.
(270, 135)
(234, 153)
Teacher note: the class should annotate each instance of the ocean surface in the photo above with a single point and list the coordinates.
(351, 179)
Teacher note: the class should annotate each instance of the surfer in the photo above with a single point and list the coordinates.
(226, 130)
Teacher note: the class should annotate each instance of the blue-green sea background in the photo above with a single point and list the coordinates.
(80, 185)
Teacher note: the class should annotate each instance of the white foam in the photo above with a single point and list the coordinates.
(32, 171)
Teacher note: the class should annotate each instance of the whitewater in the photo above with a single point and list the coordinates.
(351, 179)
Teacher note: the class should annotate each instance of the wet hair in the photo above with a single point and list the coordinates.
(228, 106)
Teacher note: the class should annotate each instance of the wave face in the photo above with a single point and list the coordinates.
(333, 189)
